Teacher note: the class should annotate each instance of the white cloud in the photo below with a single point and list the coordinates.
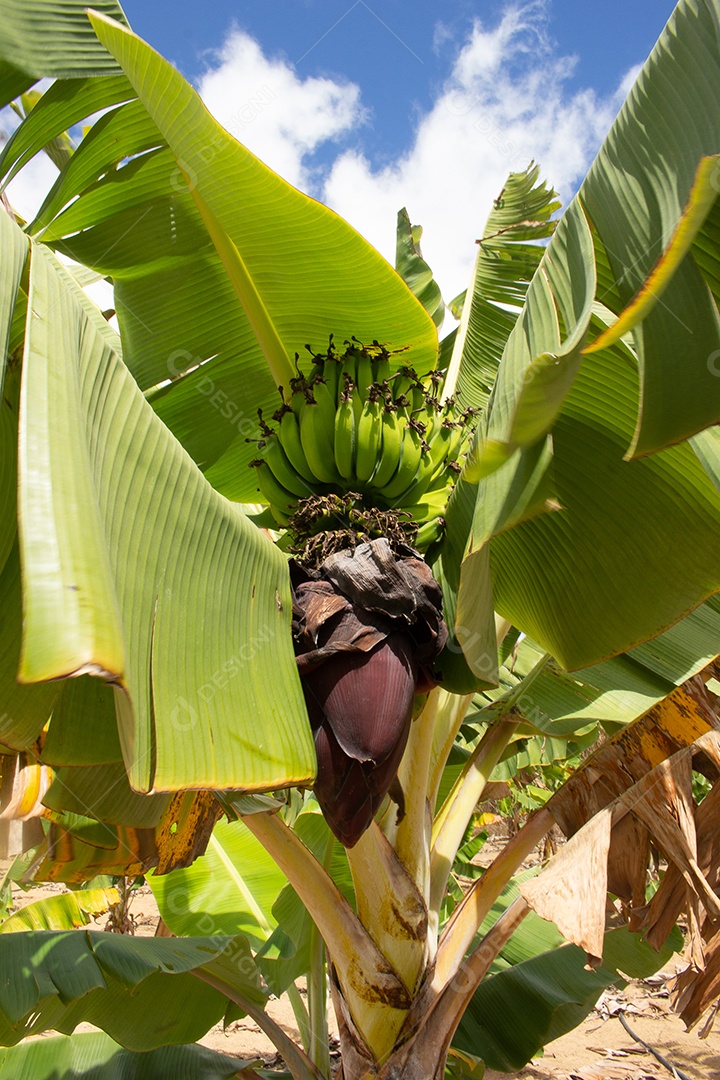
(505, 103)
(278, 116)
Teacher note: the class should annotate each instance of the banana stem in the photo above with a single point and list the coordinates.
(389, 905)
(475, 905)
(297, 1061)
(376, 996)
(319, 1045)
(457, 810)
(410, 835)
(301, 1017)
(451, 711)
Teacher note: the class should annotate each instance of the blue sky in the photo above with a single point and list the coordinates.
(371, 107)
(398, 53)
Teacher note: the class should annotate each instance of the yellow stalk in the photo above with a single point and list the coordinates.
(375, 994)
(451, 711)
(455, 813)
(389, 905)
(410, 835)
(475, 905)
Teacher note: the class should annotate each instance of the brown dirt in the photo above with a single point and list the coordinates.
(599, 1049)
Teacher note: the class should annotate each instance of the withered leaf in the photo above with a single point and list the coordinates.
(572, 889)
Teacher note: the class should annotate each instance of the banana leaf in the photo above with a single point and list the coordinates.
(140, 991)
(95, 1056)
(546, 982)
(621, 489)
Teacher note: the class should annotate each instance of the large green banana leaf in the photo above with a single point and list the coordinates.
(136, 570)
(611, 693)
(231, 889)
(95, 1056)
(140, 991)
(186, 331)
(50, 39)
(611, 566)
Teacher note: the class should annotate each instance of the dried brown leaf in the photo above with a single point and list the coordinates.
(571, 891)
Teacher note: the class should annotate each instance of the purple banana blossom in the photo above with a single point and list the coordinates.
(367, 629)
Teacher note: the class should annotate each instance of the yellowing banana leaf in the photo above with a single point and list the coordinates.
(61, 912)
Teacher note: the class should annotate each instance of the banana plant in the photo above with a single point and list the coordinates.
(535, 469)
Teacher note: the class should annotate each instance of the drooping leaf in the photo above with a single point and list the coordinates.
(118, 597)
(611, 693)
(62, 978)
(95, 1056)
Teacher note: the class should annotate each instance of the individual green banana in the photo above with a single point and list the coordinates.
(432, 504)
(369, 436)
(281, 501)
(288, 432)
(318, 441)
(317, 371)
(412, 451)
(345, 434)
(441, 440)
(424, 476)
(364, 379)
(381, 366)
(402, 382)
(457, 441)
(392, 433)
(298, 387)
(417, 395)
(348, 367)
(331, 375)
(325, 399)
(429, 533)
(273, 453)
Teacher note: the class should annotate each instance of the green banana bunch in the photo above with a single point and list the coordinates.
(355, 424)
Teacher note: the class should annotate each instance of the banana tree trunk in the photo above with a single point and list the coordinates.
(422, 1059)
